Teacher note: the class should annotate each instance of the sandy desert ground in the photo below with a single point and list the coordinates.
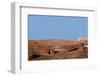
(57, 49)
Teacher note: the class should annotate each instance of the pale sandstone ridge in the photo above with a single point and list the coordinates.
(84, 40)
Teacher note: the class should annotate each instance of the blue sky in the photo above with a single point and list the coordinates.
(57, 27)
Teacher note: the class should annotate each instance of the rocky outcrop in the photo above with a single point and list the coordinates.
(57, 49)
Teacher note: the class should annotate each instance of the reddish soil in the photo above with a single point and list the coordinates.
(57, 49)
